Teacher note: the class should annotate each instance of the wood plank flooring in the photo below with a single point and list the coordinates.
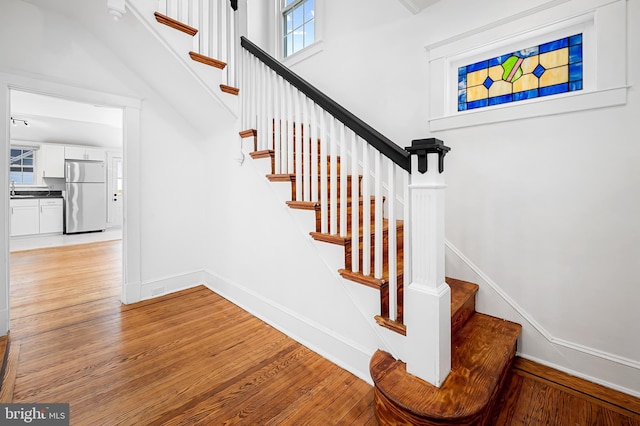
(194, 358)
(186, 358)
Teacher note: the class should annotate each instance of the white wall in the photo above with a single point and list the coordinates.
(164, 165)
(542, 211)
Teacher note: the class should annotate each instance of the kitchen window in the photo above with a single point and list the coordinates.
(298, 25)
(22, 166)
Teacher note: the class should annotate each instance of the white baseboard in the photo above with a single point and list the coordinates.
(346, 354)
(569, 353)
(136, 292)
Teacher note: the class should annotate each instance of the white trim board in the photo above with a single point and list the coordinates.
(603, 25)
(529, 319)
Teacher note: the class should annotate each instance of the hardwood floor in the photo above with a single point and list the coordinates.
(194, 358)
(186, 358)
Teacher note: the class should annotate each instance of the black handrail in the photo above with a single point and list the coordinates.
(389, 149)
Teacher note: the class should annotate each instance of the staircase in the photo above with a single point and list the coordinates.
(348, 175)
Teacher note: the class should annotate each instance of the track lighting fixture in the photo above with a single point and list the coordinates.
(15, 121)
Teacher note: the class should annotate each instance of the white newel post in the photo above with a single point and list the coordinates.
(427, 298)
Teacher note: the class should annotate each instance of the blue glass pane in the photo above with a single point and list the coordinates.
(478, 104)
(462, 106)
(576, 39)
(575, 72)
(477, 66)
(554, 90)
(538, 71)
(487, 82)
(496, 100)
(462, 96)
(575, 85)
(554, 45)
(462, 70)
(462, 82)
(575, 54)
(527, 94)
(309, 10)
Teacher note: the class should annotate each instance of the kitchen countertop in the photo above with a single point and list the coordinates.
(22, 195)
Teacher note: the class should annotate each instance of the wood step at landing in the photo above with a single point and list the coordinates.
(482, 353)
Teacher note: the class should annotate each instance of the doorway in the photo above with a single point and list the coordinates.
(55, 130)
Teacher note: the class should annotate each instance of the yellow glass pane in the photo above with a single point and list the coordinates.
(476, 78)
(477, 92)
(499, 88)
(555, 76)
(555, 58)
(526, 82)
(529, 64)
(496, 73)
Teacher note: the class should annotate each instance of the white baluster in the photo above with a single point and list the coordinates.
(379, 213)
(306, 151)
(324, 190)
(366, 211)
(333, 177)
(392, 243)
(298, 143)
(162, 7)
(355, 209)
(290, 129)
(344, 184)
(316, 158)
(277, 114)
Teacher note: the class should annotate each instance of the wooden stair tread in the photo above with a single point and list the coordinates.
(198, 57)
(230, 89)
(343, 241)
(481, 355)
(463, 302)
(170, 22)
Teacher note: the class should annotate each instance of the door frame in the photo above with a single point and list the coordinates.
(131, 238)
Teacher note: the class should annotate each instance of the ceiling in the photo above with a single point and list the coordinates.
(57, 120)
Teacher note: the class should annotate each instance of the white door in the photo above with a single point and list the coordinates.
(115, 187)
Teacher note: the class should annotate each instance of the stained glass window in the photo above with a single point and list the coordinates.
(547, 69)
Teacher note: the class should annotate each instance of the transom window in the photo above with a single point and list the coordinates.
(22, 166)
(298, 20)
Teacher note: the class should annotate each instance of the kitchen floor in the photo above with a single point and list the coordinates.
(36, 242)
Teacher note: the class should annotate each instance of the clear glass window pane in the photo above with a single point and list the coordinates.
(27, 178)
(298, 40)
(288, 44)
(309, 10)
(298, 16)
(309, 33)
(288, 19)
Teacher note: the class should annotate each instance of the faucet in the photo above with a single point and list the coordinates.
(13, 188)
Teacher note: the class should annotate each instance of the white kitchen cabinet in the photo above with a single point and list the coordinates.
(50, 162)
(25, 217)
(84, 153)
(50, 215)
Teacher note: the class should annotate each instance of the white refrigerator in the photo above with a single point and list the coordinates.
(85, 201)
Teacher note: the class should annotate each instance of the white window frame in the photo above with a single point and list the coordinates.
(305, 52)
(603, 24)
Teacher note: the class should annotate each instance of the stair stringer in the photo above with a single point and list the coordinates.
(179, 44)
(348, 339)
